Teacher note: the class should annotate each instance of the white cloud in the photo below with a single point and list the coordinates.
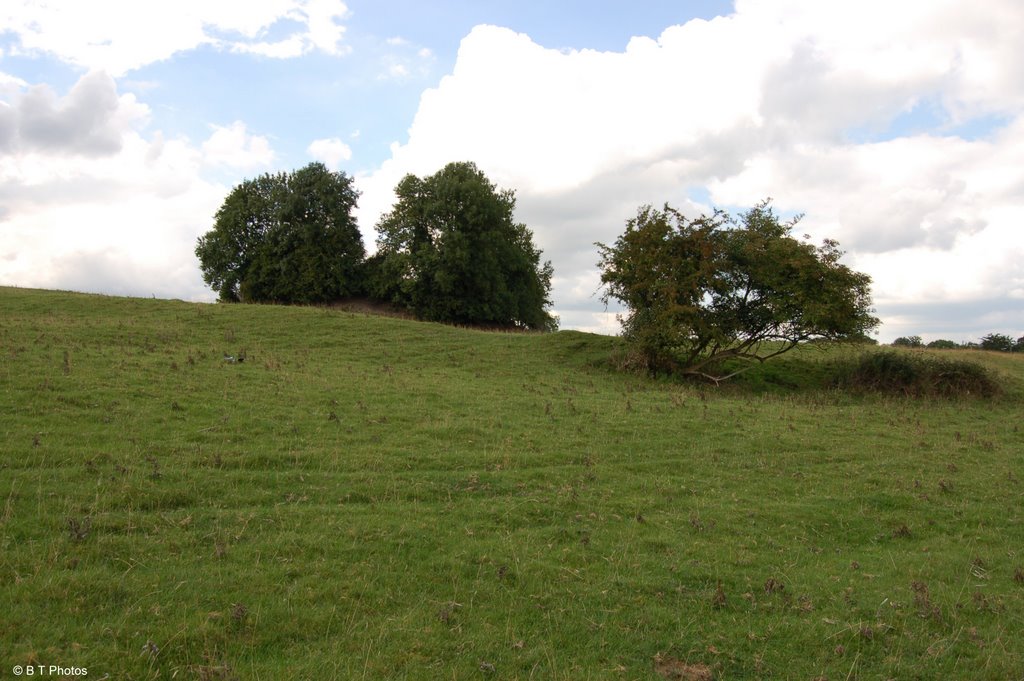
(403, 60)
(325, 33)
(398, 71)
(9, 84)
(765, 102)
(89, 120)
(234, 147)
(121, 35)
(551, 120)
(109, 211)
(123, 224)
(331, 151)
(288, 48)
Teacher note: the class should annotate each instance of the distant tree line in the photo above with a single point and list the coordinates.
(999, 342)
(449, 250)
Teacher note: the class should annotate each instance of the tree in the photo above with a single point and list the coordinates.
(940, 344)
(909, 342)
(285, 238)
(997, 341)
(712, 296)
(450, 251)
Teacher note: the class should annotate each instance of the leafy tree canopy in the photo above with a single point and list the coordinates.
(909, 342)
(711, 295)
(451, 251)
(997, 341)
(286, 238)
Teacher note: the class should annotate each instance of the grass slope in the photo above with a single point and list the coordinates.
(375, 498)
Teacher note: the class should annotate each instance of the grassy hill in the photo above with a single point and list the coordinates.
(368, 497)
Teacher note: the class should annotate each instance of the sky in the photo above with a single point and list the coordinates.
(896, 128)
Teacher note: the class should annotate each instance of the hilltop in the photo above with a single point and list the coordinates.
(243, 491)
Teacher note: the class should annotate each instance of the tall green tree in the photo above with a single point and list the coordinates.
(450, 250)
(713, 295)
(285, 238)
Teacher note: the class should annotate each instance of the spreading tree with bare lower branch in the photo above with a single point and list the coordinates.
(714, 295)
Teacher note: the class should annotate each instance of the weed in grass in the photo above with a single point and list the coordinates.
(239, 612)
(700, 525)
(214, 670)
(923, 601)
(150, 649)
(901, 532)
(674, 669)
(78, 529)
(154, 473)
(447, 613)
(718, 599)
(1018, 575)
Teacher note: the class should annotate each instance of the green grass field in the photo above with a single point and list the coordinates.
(367, 497)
